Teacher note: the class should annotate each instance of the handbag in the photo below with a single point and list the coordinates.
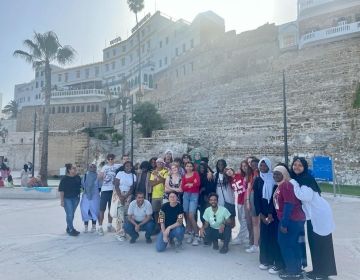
(230, 207)
(115, 202)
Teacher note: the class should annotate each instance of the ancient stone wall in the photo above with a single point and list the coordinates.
(231, 103)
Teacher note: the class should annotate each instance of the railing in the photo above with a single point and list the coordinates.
(306, 4)
(79, 92)
(329, 33)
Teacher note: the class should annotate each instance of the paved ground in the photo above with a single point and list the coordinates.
(33, 245)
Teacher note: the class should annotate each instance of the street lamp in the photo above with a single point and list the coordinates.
(286, 149)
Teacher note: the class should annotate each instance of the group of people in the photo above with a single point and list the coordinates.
(6, 179)
(160, 195)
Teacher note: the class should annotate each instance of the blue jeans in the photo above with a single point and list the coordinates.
(148, 228)
(70, 205)
(177, 233)
(290, 246)
(190, 202)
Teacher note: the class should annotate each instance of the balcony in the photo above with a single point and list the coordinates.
(329, 33)
(77, 93)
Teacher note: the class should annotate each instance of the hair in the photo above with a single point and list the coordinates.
(145, 165)
(256, 160)
(205, 165)
(213, 194)
(186, 155)
(173, 193)
(26, 167)
(192, 164)
(0, 178)
(102, 163)
(205, 159)
(249, 172)
(110, 156)
(124, 155)
(138, 192)
(68, 167)
(225, 182)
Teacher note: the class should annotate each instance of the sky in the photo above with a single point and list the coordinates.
(89, 25)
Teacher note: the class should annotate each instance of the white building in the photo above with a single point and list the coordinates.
(162, 40)
(321, 21)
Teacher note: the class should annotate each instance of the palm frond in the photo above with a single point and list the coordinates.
(65, 54)
(52, 45)
(28, 57)
(34, 49)
(135, 5)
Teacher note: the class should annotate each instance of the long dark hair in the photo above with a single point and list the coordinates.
(249, 173)
(226, 179)
(304, 178)
(68, 167)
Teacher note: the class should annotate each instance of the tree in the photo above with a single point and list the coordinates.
(137, 6)
(12, 108)
(43, 50)
(148, 117)
(116, 137)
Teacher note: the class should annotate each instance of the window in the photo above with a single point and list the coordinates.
(113, 65)
(184, 47)
(114, 52)
(160, 44)
(63, 110)
(66, 77)
(92, 108)
(72, 109)
(59, 110)
(107, 55)
(42, 73)
(82, 109)
(37, 84)
(165, 60)
(160, 63)
(77, 109)
(36, 74)
(106, 67)
(87, 73)
(124, 48)
(96, 108)
(67, 110)
(88, 108)
(123, 61)
(96, 71)
(78, 74)
(42, 84)
(59, 77)
(191, 43)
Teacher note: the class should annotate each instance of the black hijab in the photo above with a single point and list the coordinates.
(304, 178)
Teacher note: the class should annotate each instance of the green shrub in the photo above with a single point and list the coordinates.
(101, 136)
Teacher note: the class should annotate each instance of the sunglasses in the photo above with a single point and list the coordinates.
(214, 218)
(110, 159)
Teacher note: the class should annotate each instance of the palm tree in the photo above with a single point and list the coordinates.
(12, 108)
(137, 6)
(43, 50)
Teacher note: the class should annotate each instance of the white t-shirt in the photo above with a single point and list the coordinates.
(109, 175)
(126, 180)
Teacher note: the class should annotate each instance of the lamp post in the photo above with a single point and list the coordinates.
(286, 150)
(33, 152)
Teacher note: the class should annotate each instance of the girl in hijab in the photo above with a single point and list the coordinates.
(264, 187)
(291, 219)
(320, 223)
(90, 200)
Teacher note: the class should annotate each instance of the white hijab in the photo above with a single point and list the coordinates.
(268, 179)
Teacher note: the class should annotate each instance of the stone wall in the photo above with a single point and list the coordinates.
(231, 103)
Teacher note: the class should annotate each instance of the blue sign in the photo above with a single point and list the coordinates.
(323, 168)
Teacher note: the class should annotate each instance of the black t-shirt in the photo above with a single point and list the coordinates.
(171, 214)
(70, 186)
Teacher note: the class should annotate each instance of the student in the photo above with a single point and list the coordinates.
(69, 189)
(320, 223)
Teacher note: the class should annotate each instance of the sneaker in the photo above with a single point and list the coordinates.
(263, 266)
(148, 240)
(190, 239)
(178, 245)
(100, 231)
(93, 229)
(224, 250)
(313, 276)
(285, 275)
(67, 230)
(216, 245)
(121, 238)
(252, 249)
(110, 228)
(196, 241)
(86, 229)
(274, 269)
(73, 233)
(132, 240)
(77, 232)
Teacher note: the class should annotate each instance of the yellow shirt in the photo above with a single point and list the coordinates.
(159, 189)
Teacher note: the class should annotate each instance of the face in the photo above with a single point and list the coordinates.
(110, 160)
(202, 169)
(174, 169)
(127, 167)
(125, 159)
(213, 201)
(197, 156)
(140, 198)
(185, 160)
(297, 167)
(278, 177)
(159, 165)
(254, 165)
(168, 156)
(92, 167)
(263, 167)
(153, 163)
(249, 161)
(221, 166)
(172, 198)
(189, 167)
(73, 171)
(244, 166)
(229, 172)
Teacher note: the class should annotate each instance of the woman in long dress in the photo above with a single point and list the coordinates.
(25, 176)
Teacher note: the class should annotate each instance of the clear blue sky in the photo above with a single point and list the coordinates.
(87, 25)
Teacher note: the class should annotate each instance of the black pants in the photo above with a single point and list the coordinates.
(322, 252)
(269, 248)
(212, 234)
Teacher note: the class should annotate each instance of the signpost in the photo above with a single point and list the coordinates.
(324, 170)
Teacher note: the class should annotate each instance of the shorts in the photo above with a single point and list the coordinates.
(190, 202)
(105, 198)
(156, 204)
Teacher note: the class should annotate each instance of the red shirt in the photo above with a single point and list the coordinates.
(239, 185)
(194, 179)
(285, 194)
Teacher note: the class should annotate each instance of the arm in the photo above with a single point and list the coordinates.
(61, 199)
(202, 229)
(117, 189)
(303, 193)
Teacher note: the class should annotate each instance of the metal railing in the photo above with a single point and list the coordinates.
(79, 92)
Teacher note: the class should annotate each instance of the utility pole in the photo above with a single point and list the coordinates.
(33, 155)
(286, 150)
